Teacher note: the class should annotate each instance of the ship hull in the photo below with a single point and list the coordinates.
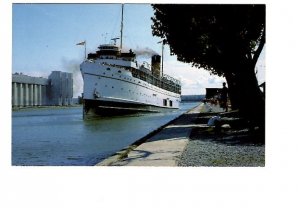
(96, 108)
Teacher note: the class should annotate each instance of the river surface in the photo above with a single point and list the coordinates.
(59, 136)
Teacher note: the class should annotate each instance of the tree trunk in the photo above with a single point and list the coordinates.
(232, 91)
(244, 92)
(251, 100)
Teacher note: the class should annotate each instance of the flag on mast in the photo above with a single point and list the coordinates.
(81, 43)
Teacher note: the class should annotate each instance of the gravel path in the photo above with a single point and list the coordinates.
(233, 149)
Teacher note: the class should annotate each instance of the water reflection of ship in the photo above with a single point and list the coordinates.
(114, 83)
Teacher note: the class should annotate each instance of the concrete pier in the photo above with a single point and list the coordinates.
(161, 149)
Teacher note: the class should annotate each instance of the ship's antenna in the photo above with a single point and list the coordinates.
(121, 42)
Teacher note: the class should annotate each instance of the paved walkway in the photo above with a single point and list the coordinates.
(164, 148)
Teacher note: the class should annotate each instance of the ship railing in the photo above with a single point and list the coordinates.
(115, 65)
(167, 77)
(171, 85)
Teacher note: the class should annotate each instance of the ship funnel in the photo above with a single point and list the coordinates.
(155, 62)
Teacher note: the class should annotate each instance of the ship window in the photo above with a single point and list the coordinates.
(108, 69)
(119, 71)
(171, 103)
(165, 102)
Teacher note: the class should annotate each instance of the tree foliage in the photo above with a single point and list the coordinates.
(210, 36)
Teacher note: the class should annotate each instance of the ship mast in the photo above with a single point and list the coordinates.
(121, 42)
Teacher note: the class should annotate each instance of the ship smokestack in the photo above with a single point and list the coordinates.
(155, 62)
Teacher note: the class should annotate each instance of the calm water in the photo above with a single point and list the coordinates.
(59, 136)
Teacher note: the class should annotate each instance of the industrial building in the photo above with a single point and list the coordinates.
(60, 88)
(212, 93)
(38, 91)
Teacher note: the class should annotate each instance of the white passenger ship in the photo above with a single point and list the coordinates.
(115, 84)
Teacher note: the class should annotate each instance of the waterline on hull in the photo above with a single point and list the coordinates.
(96, 108)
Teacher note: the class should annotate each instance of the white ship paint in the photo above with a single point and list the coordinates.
(114, 83)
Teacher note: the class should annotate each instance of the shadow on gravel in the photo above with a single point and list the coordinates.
(233, 138)
(238, 132)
